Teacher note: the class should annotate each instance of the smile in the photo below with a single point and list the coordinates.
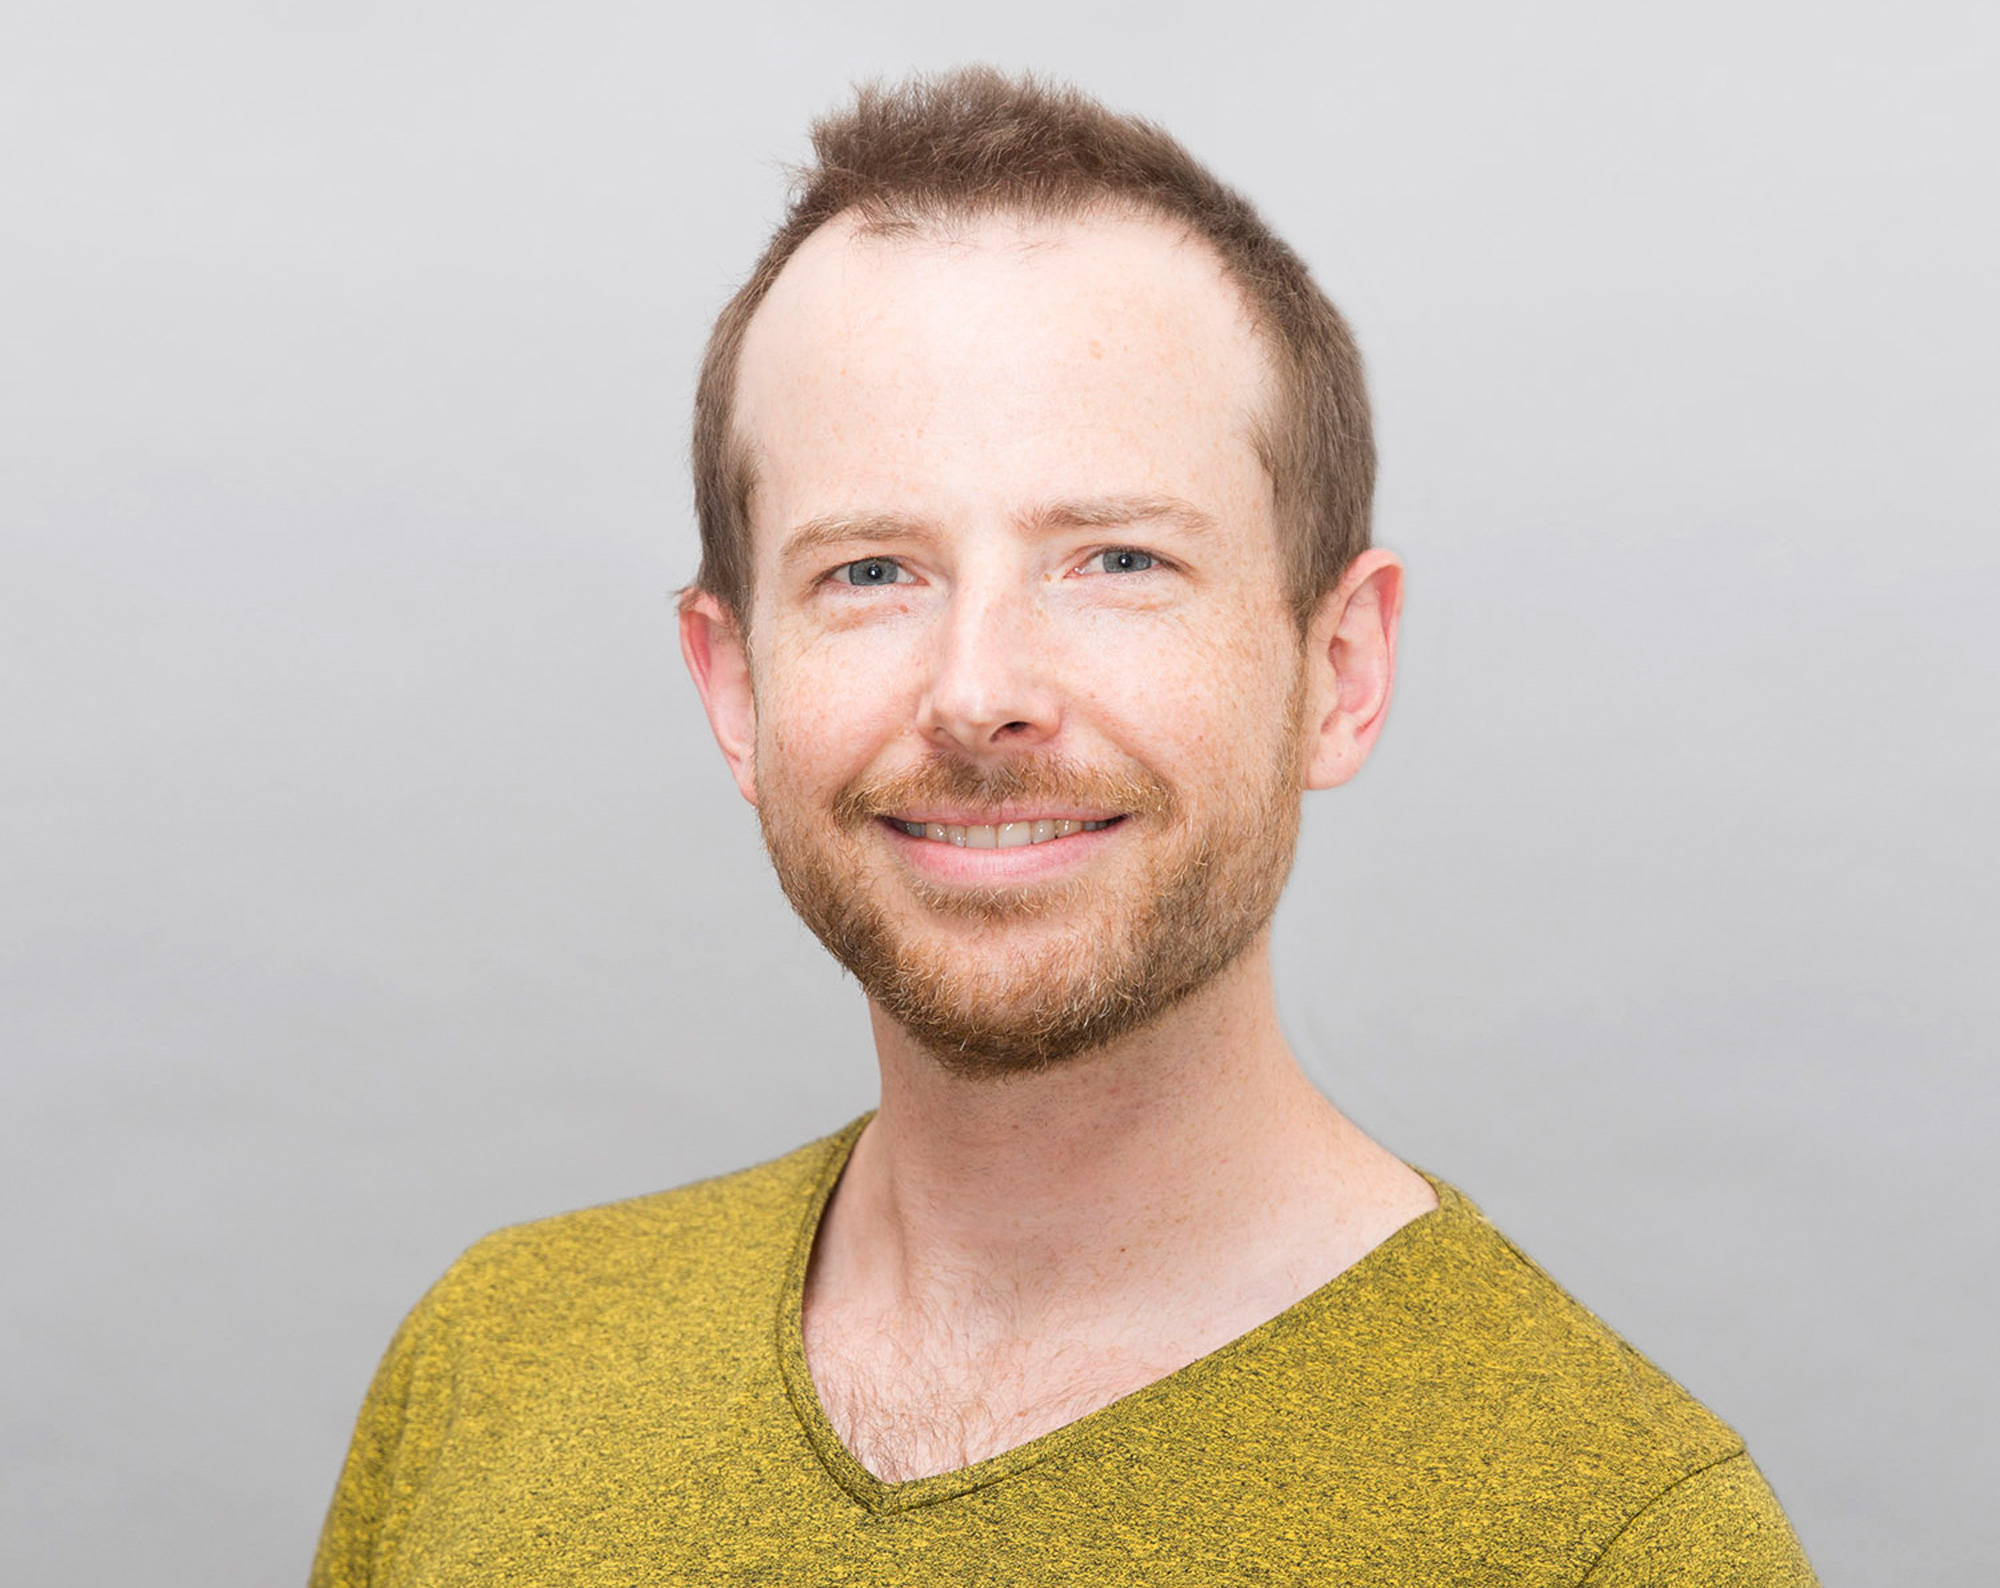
(999, 835)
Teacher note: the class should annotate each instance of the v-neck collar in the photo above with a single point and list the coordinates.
(877, 1495)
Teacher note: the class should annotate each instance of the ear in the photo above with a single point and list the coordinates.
(717, 656)
(1351, 667)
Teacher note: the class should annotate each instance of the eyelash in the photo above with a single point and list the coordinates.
(1152, 561)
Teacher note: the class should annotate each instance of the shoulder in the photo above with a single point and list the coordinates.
(1550, 1369)
(565, 1322)
(1490, 1403)
(1720, 1527)
(699, 1240)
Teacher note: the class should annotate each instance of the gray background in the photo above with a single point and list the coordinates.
(368, 878)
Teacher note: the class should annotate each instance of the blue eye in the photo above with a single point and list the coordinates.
(1123, 559)
(870, 571)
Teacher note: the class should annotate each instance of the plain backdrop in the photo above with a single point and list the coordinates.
(368, 878)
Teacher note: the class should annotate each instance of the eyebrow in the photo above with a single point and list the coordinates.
(1105, 512)
(836, 529)
(1093, 512)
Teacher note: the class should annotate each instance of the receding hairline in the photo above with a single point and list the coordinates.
(974, 140)
(951, 224)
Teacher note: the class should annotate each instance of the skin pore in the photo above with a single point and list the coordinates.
(1015, 562)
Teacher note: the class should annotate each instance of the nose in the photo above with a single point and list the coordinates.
(990, 690)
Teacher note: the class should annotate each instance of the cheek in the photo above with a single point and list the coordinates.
(825, 713)
(1189, 685)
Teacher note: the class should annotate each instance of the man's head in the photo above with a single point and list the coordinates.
(936, 153)
(1015, 668)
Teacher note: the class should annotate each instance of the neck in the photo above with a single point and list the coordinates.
(1191, 1147)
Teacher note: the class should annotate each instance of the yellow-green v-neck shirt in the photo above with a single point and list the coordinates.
(619, 1397)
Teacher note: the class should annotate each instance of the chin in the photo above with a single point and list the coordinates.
(992, 1041)
(1024, 993)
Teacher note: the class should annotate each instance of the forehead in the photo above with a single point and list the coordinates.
(998, 364)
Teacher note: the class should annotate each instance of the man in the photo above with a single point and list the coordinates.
(1033, 475)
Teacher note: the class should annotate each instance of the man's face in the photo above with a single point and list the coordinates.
(1027, 690)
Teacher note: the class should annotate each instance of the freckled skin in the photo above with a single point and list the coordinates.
(963, 386)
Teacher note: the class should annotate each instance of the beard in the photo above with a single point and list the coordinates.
(1016, 979)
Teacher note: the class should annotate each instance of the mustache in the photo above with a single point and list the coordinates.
(1048, 780)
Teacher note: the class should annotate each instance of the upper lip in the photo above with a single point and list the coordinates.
(1003, 816)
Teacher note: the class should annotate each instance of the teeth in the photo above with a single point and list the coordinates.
(1006, 835)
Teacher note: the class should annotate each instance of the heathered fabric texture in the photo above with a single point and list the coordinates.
(620, 1397)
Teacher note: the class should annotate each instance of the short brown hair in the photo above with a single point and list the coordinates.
(974, 142)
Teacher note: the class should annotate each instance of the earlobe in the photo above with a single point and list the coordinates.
(718, 659)
(1351, 658)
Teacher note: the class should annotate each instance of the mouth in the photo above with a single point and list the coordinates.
(1001, 835)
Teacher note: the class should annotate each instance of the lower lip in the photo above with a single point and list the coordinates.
(945, 862)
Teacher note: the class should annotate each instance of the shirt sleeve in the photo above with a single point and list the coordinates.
(390, 1437)
(1721, 1527)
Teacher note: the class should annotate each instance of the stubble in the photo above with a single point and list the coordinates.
(1003, 981)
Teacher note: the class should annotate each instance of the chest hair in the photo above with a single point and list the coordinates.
(913, 1400)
